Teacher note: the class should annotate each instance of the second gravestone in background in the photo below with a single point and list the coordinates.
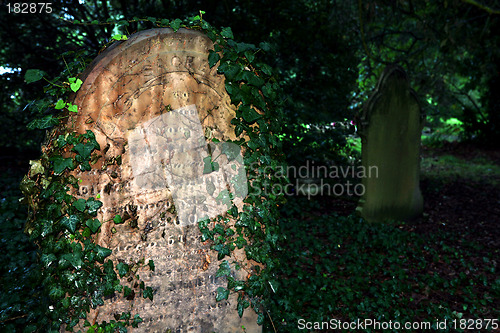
(154, 105)
(390, 129)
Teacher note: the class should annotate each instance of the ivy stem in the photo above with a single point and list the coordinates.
(52, 83)
(67, 66)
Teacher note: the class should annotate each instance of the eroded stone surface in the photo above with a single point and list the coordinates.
(390, 130)
(154, 104)
(171, 151)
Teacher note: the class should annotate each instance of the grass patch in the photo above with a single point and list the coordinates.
(450, 168)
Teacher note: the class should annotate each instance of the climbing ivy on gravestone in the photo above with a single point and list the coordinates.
(82, 158)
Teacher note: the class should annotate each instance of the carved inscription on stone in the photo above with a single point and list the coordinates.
(170, 151)
(155, 105)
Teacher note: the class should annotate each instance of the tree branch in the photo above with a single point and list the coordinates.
(361, 28)
(489, 10)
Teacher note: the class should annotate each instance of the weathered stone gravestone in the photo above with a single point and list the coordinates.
(390, 128)
(154, 105)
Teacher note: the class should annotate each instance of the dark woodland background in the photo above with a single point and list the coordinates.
(328, 55)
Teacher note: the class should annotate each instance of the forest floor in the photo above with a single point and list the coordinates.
(453, 271)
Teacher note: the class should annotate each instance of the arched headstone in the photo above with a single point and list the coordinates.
(390, 129)
(155, 105)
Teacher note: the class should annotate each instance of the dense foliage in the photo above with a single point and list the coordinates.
(341, 270)
(329, 54)
(450, 49)
(74, 271)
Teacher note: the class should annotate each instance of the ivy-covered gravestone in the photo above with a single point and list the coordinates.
(390, 128)
(162, 118)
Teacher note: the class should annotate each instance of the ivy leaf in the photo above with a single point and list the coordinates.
(219, 228)
(118, 219)
(80, 204)
(74, 259)
(66, 302)
(43, 123)
(61, 163)
(176, 24)
(93, 224)
(269, 91)
(233, 212)
(252, 79)
(240, 242)
(260, 318)
(60, 104)
(72, 107)
(241, 307)
(136, 321)
(265, 46)
(119, 37)
(195, 18)
(227, 33)
(86, 233)
(274, 285)
(127, 291)
(224, 269)
(242, 47)
(36, 168)
(33, 75)
(93, 205)
(238, 129)
(56, 292)
(75, 83)
(250, 56)
(151, 265)
(231, 150)
(92, 141)
(102, 253)
(47, 259)
(213, 58)
(84, 150)
(249, 114)
(122, 269)
(207, 165)
(222, 293)
(148, 293)
(70, 222)
(231, 70)
(266, 69)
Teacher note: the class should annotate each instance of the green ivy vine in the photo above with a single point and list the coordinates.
(75, 272)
